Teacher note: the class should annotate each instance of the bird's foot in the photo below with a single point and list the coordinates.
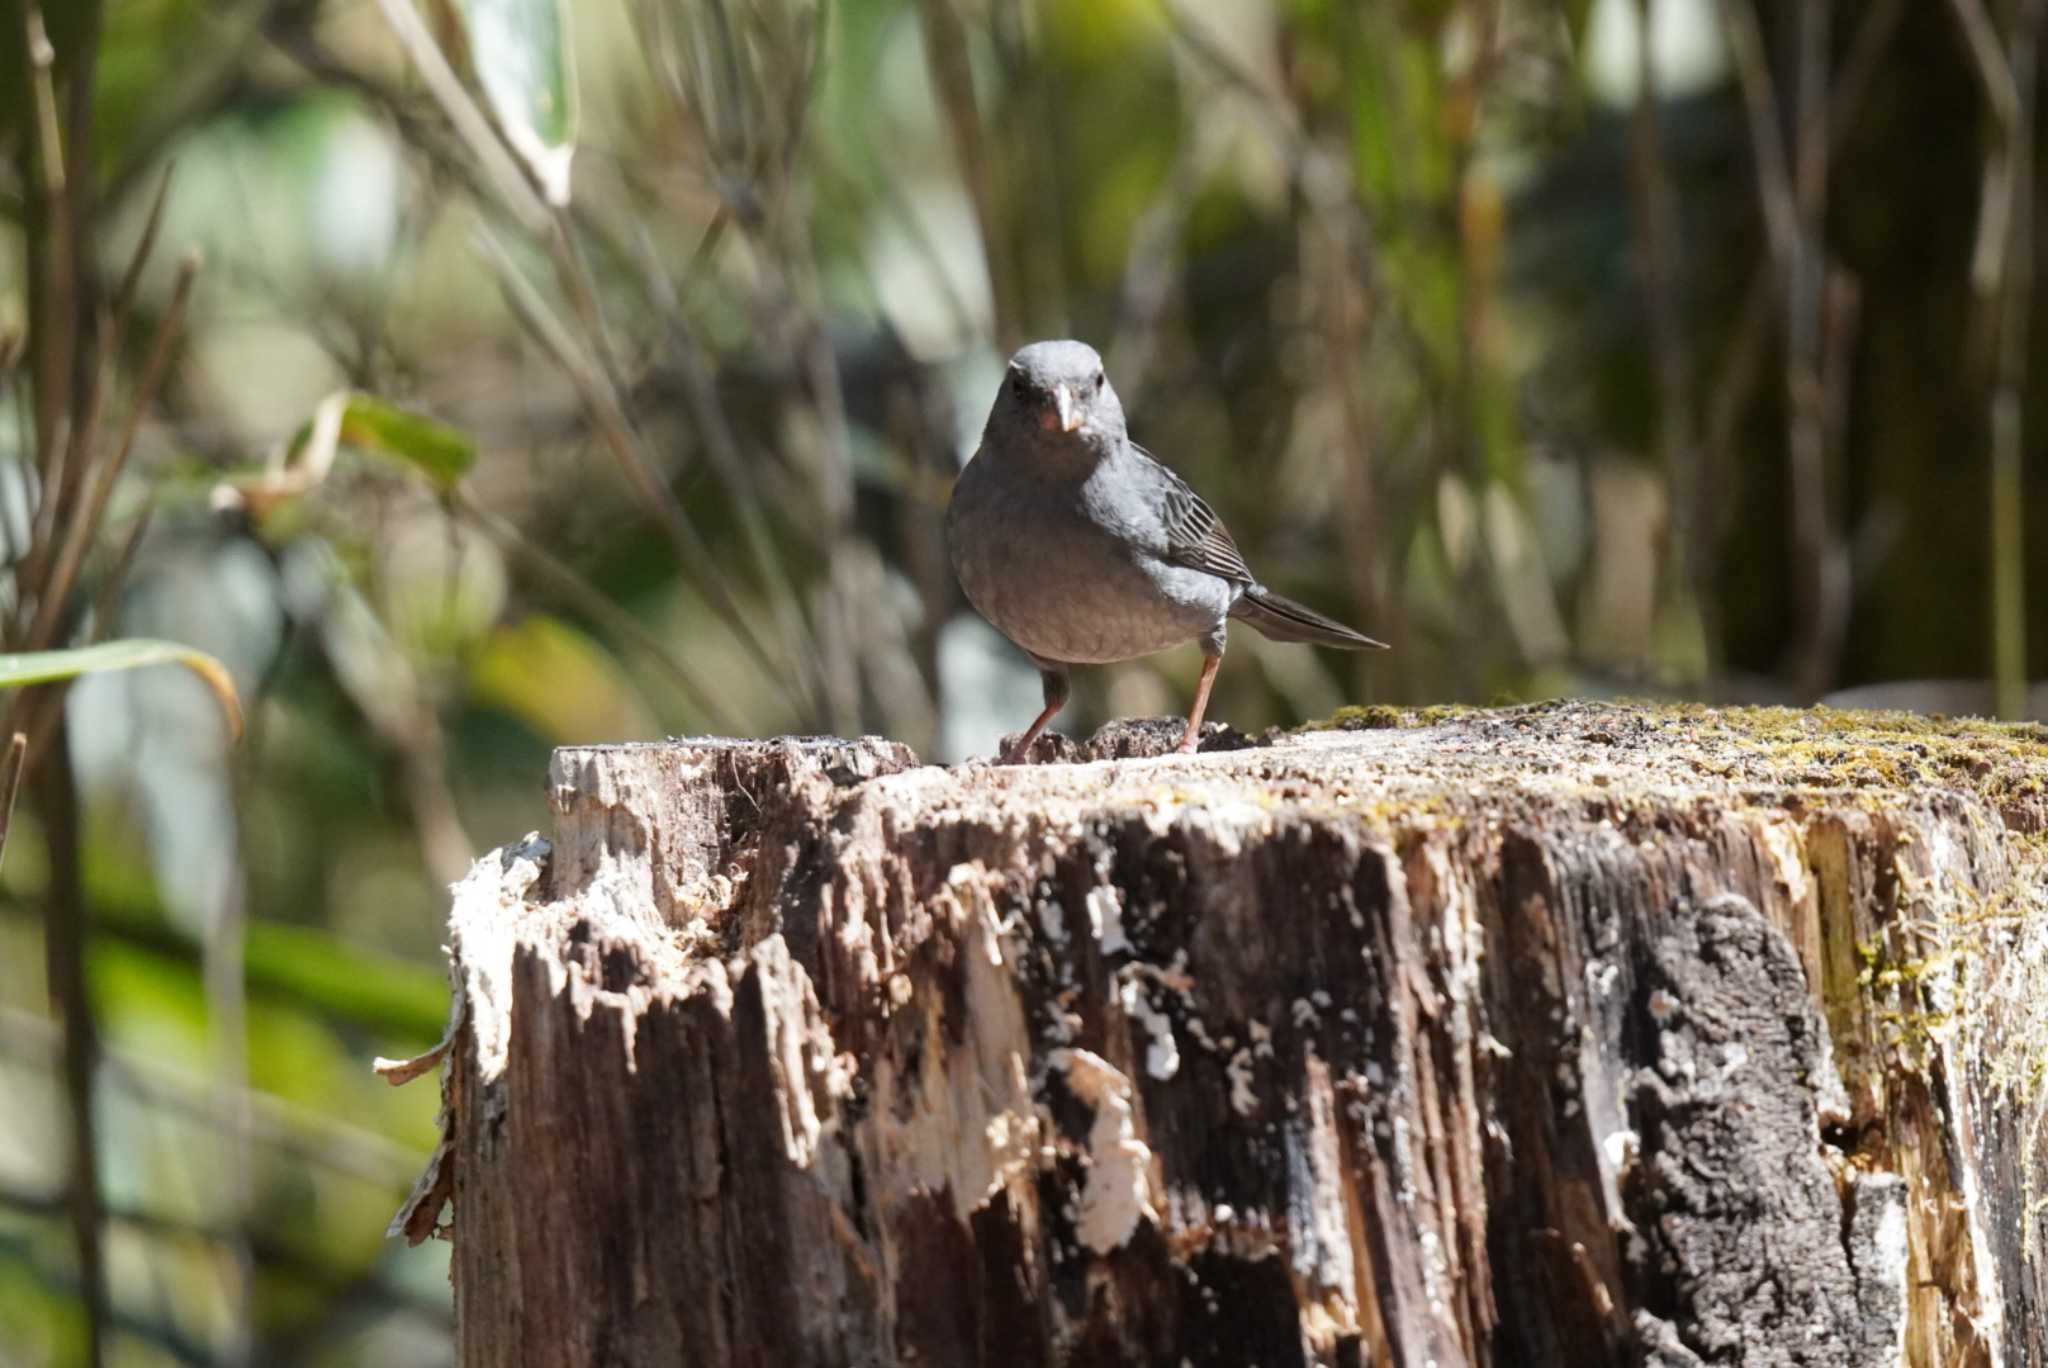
(1046, 748)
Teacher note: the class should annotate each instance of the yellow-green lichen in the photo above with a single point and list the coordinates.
(1965, 965)
(1383, 717)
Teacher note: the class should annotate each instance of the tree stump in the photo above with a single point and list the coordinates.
(1574, 1034)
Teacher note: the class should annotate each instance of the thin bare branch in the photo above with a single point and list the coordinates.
(1767, 148)
(64, 474)
(10, 784)
(1866, 50)
(64, 919)
(1657, 231)
(1742, 359)
(601, 401)
(1735, 381)
(85, 518)
(945, 47)
(37, 711)
(238, 33)
(700, 395)
(1988, 58)
(706, 248)
(1270, 105)
(224, 974)
(322, 1139)
(1820, 583)
(54, 327)
(2002, 277)
(2015, 300)
(42, 58)
(1152, 266)
(513, 188)
(587, 597)
(280, 1253)
(1792, 194)
(145, 246)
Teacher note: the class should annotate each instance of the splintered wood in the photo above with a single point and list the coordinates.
(1564, 1035)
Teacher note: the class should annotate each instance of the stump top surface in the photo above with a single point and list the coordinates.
(1398, 764)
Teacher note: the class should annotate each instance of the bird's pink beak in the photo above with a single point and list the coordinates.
(1068, 412)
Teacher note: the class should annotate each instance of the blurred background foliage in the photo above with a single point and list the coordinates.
(506, 375)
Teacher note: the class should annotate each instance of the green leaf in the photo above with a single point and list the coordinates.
(302, 967)
(48, 667)
(442, 453)
(520, 51)
(557, 681)
(348, 982)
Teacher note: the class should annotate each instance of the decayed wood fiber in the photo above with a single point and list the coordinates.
(1575, 1034)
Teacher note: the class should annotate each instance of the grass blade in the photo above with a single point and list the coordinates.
(49, 667)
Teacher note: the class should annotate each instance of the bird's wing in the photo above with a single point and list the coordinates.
(1195, 536)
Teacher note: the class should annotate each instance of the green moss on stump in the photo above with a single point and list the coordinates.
(1381, 717)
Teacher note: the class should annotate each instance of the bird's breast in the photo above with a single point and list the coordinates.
(1067, 584)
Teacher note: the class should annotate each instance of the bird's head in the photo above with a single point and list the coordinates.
(1056, 391)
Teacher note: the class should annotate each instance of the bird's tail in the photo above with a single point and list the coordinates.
(1282, 619)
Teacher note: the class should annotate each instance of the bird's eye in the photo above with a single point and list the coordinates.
(1098, 382)
(1017, 385)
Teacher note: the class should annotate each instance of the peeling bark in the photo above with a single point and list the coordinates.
(1574, 1034)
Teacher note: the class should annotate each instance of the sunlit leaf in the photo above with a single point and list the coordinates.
(1107, 32)
(348, 982)
(441, 453)
(520, 50)
(562, 684)
(48, 667)
(304, 967)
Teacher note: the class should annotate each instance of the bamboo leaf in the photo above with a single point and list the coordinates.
(441, 453)
(49, 667)
(520, 51)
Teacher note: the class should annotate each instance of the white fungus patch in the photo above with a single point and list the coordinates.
(1162, 1054)
(1052, 920)
(1118, 1191)
(1244, 1100)
(1106, 918)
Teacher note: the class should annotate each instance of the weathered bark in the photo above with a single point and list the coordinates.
(1566, 1035)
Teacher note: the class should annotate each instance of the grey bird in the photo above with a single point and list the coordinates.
(1082, 548)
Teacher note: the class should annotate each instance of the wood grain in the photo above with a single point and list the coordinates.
(1573, 1034)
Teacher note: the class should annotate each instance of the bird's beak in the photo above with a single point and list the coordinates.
(1069, 411)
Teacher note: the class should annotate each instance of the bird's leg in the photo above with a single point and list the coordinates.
(1194, 731)
(1054, 679)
